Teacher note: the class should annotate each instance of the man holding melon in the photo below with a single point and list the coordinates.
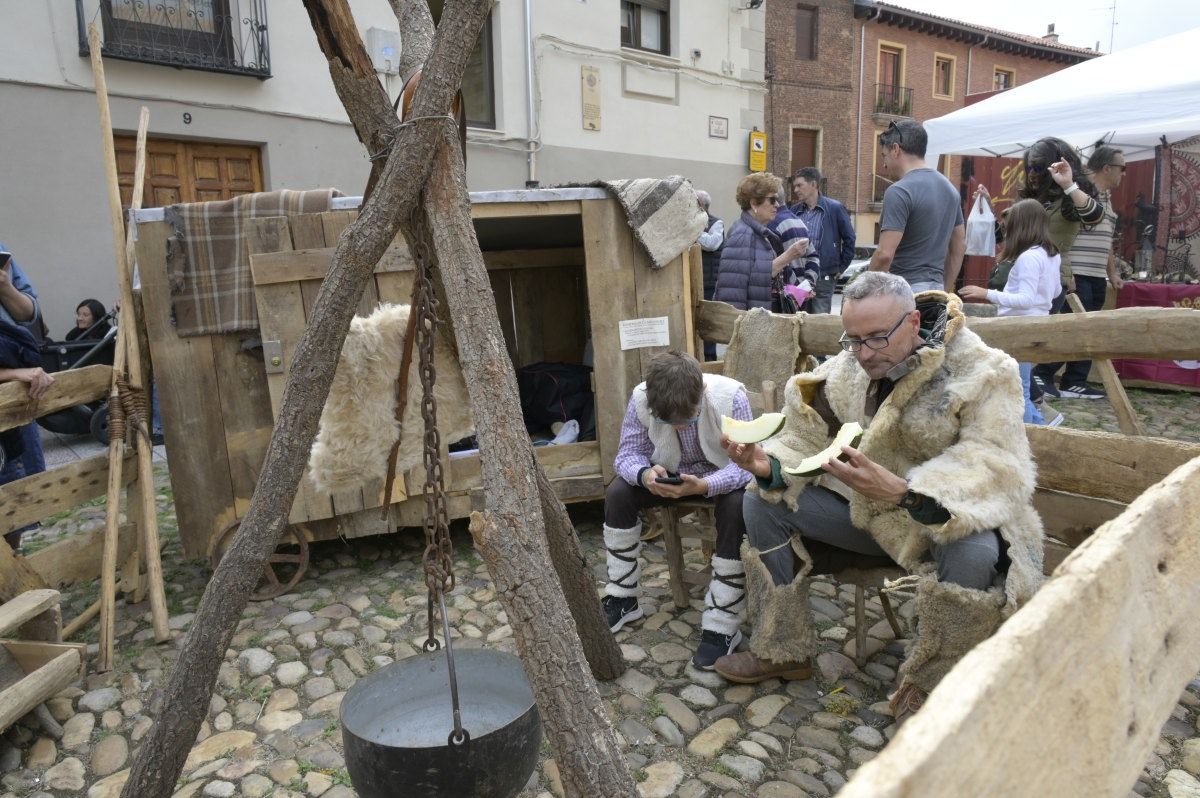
(671, 449)
(907, 448)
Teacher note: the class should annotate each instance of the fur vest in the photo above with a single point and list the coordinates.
(952, 427)
(717, 401)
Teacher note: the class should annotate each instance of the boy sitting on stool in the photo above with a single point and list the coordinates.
(673, 428)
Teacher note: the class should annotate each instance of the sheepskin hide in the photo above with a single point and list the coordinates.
(953, 427)
(358, 424)
(951, 620)
(783, 627)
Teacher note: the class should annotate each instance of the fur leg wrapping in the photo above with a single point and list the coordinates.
(624, 567)
(951, 620)
(725, 602)
(783, 628)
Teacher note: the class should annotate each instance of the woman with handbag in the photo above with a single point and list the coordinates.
(754, 263)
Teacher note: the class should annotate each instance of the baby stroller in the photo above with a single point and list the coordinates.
(87, 419)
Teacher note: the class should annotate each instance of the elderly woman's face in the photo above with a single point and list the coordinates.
(83, 317)
(763, 208)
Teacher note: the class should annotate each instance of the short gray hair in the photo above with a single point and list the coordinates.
(869, 284)
(704, 199)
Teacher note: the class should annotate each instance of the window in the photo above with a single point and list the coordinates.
(806, 33)
(212, 35)
(646, 25)
(479, 79)
(1003, 79)
(943, 76)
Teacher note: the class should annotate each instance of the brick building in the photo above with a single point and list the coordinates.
(839, 71)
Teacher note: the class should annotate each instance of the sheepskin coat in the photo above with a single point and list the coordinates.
(952, 427)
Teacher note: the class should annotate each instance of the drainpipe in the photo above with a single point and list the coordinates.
(531, 180)
(970, 52)
(862, 55)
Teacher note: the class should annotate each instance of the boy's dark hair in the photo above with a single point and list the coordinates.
(674, 386)
(909, 134)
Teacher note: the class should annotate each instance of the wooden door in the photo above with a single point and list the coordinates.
(889, 67)
(187, 171)
(804, 149)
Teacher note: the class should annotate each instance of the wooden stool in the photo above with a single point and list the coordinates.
(680, 577)
(863, 578)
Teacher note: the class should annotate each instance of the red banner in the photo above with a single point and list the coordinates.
(1157, 295)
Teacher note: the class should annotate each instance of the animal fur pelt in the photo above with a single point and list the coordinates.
(951, 620)
(783, 627)
(358, 424)
(764, 346)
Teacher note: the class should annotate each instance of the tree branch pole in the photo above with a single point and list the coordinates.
(510, 534)
(181, 708)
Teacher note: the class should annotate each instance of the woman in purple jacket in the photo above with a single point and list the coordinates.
(753, 255)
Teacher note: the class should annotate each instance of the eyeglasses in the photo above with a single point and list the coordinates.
(1120, 166)
(874, 342)
(774, 200)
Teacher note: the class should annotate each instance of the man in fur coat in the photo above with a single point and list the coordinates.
(941, 483)
(671, 449)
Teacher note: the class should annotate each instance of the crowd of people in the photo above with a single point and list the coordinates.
(941, 482)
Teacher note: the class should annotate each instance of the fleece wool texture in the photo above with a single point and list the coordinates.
(952, 426)
(358, 424)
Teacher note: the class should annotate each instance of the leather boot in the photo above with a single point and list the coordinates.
(746, 668)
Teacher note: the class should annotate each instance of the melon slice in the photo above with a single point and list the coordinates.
(849, 435)
(754, 431)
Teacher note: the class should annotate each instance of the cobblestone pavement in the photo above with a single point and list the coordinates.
(272, 726)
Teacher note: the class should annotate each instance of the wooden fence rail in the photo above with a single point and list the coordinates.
(1159, 333)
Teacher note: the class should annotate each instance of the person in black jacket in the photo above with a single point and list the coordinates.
(711, 242)
(91, 324)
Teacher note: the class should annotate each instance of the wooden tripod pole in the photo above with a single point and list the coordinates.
(1113, 389)
(123, 248)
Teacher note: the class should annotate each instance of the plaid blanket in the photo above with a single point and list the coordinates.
(208, 264)
(663, 214)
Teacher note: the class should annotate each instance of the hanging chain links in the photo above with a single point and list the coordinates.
(437, 561)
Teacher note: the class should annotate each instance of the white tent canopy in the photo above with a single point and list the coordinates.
(1130, 99)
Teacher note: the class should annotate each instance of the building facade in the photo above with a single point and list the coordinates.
(840, 71)
(240, 100)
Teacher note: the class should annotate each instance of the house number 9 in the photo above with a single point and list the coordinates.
(187, 119)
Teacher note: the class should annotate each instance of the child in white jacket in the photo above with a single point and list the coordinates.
(1032, 283)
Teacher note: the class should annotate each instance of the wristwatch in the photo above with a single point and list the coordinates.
(910, 500)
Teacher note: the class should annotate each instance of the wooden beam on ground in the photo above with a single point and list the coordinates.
(1157, 333)
(70, 388)
(1089, 669)
(50, 667)
(1104, 465)
(77, 558)
(25, 607)
(1126, 417)
(40, 496)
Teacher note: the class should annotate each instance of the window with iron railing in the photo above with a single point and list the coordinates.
(893, 99)
(210, 35)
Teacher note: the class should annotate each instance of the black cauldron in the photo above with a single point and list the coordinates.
(397, 723)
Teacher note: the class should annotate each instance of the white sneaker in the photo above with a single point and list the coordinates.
(1054, 422)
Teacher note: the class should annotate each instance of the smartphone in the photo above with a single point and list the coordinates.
(5, 257)
(671, 479)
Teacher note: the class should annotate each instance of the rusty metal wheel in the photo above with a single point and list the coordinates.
(285, 568)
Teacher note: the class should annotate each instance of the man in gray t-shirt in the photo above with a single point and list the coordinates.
(921, 235)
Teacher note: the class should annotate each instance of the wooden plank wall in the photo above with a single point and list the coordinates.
(185, 373)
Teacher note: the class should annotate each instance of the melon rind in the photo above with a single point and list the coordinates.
(849, 435)
(755, 431)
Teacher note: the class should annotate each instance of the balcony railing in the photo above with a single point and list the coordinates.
(894, 100)
(211, 35)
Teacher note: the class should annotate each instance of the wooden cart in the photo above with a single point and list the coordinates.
(565, 270)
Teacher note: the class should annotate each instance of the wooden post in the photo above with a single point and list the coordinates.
(123, 246)
(1126, 417)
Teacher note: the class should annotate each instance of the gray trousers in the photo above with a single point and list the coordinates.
(822, 519)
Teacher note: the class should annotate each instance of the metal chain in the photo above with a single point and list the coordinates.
(437, 560)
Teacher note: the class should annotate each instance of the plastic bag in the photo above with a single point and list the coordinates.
(981, 229)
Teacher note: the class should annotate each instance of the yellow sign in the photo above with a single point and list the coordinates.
(758, 151)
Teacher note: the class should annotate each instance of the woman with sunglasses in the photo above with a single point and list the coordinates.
(754, 256)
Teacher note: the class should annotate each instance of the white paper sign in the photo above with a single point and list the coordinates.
(640, 333)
